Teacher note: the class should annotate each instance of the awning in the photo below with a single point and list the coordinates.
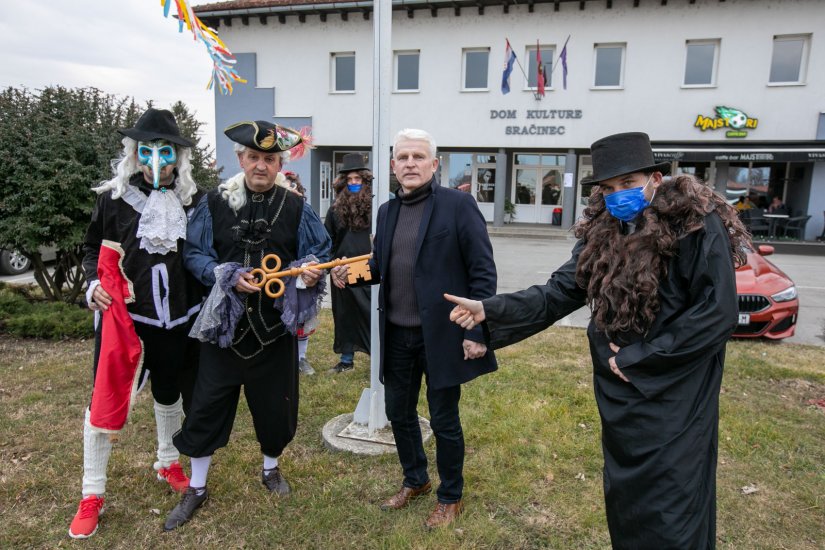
(808, 151)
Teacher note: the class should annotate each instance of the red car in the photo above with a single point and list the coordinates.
(768, 302)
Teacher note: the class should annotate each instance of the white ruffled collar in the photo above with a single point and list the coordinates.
(162, 218)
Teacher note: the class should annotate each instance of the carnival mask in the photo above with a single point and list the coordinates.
(626, 204)
(156, 155)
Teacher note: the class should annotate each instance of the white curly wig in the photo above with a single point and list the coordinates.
(126, 166)
(233, 190)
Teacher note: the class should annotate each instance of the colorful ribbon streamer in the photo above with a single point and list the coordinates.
(223, 70)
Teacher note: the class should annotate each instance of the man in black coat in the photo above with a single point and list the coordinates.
(429, 240)
(655, 264)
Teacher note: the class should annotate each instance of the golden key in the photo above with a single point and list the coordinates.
(266, 276)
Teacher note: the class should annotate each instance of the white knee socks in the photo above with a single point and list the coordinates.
(200, 469)
(168, 419)
(96, 450)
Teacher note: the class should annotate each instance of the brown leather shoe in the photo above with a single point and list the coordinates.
(444, 514)
(403, 497)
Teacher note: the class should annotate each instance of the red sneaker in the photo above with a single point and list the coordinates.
(174, 476)
(84, 524)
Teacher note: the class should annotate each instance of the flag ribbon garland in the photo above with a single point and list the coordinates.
(223, 70)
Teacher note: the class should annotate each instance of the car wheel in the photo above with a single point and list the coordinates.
(13, 262)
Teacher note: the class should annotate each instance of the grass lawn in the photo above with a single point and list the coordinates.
(532, 472)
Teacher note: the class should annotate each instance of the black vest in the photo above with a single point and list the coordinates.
(266, 224)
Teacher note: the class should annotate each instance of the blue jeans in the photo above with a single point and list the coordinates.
(404, 365)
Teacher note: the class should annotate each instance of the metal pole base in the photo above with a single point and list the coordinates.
(342, 434)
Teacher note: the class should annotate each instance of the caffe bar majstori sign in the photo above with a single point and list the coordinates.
(735, 122)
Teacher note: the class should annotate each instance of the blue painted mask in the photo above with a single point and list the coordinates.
(354, 187)
(626, 204)
(156, 155)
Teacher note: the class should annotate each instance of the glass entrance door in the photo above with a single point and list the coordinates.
(538, 191)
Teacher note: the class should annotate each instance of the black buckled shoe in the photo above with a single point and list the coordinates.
(185, 509)
(275, 481)
(342, 367)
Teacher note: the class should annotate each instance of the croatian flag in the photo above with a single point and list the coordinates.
(510, 57)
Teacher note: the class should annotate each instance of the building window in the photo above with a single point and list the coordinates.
(343, 71)
(609, 65)
(547, 56)
(789, 59)
(700, 62)
(406, 71)
(476, 62)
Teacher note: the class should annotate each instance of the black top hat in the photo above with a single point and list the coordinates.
(622, 154)
(263, 136)
(352, 163)
(156, 124)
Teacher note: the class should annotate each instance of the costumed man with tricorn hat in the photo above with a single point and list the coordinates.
(655, 263)
(248, 337)
(144, 301)
(348, 223)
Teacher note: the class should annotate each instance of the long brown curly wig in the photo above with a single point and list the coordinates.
(354, 210)
(621, 273)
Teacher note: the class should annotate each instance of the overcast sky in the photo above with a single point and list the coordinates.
(123, 47)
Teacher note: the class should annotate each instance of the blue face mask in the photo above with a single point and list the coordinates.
(626, 204)
(354, 187)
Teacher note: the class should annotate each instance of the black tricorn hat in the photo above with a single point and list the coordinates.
(156, 124)
(263, 136)
(352, 163)
(622, 154)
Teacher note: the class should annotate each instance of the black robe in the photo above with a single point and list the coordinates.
(350, 305)
(660, 431)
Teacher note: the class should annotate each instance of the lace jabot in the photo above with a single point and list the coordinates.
(162, 223)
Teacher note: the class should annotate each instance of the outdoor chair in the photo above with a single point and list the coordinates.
(756, 221)
(796, 226)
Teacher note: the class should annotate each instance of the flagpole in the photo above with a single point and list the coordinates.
(556, 62)
(527, 78)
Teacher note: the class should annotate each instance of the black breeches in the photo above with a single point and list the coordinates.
(270, 383)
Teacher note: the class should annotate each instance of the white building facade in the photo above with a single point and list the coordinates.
(731, 90)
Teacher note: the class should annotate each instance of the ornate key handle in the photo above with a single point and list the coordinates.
(267, 276)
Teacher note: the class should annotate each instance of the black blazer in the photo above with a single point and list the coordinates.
(453, 255)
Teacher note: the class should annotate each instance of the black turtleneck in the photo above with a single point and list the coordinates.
(402, 304)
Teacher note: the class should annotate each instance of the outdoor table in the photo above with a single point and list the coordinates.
(772, 219)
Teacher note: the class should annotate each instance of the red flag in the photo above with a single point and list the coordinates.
(540, 72)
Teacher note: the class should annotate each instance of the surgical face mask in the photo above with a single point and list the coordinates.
(354, 187)
(626, 204)
(156, 155)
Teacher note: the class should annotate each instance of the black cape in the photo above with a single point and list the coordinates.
(660, 431)
(350, 305)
